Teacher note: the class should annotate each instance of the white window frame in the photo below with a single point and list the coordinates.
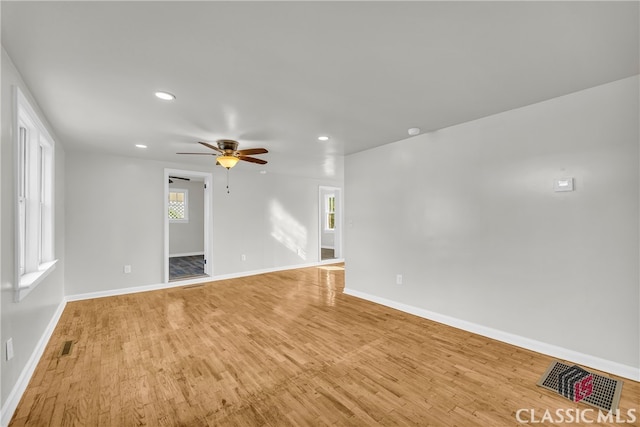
(186, 205)
(34, 164)
(327, 212)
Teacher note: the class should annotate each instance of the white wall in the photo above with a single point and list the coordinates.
(469, 217)
(27, 320)
(115, 216)
(188, 237)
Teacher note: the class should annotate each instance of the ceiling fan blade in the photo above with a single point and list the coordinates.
(253, 160)
(179, 177)
(204, 154)
(250, 151)
(213, 147)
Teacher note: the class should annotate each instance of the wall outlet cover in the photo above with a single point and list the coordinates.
(563, 184)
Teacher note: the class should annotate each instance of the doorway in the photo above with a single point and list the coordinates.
(188, 231)
(330, 223)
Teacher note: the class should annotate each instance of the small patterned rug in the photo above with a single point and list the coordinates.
(578, 384)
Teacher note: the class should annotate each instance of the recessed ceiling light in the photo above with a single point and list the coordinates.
(414, 131)
(141, 146)
(165, 96)
(323, 138)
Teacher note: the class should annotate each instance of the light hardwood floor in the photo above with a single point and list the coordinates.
(278, 349)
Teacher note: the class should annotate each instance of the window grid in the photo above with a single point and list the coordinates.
(330, 212)
(22, 200)
(178, 207)
(34, 189)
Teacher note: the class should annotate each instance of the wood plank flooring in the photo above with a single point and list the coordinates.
(279, 349)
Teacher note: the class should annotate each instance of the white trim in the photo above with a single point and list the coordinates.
(16, 393)
(208, 217)
(330, 261)
(29, 281)
(337, 236)
(179, 283)
(186, 254)
(588, 360)
(39, 243)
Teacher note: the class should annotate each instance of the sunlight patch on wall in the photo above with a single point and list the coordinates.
(287, 230)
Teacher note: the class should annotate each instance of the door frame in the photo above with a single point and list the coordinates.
(208, 217)
(337, 237)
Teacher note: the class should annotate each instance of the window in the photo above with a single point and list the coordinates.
(178, 205)
(34, 162)
(330, 212)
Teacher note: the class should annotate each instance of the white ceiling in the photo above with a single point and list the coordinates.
(279, 74)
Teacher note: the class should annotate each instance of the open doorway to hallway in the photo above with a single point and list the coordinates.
(188, 239)
(330, 223)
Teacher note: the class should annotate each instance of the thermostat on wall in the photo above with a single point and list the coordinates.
(563, 184)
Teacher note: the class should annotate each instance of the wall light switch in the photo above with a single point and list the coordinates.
(563, 184)
(127, 269)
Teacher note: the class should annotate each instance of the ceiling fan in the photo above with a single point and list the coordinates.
(171, 178)
(228, 154)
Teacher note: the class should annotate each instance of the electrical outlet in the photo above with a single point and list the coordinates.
(243, 257)
(398, 279)
(127, 269)
(10, 349)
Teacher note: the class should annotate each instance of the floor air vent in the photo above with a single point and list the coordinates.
(605, 391)
(197, 285)
(66, 348)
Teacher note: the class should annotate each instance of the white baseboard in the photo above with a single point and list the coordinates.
(594, 362)
(186, 254)
(15, 395)
(176, 284)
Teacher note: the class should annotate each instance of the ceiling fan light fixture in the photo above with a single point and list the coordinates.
(227, 161)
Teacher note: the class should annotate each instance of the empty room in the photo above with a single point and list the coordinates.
(319, 213)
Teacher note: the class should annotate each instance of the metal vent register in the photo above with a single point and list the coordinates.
(66, 348)
(606, 391)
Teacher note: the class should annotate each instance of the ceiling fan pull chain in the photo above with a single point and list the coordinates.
(227, 181)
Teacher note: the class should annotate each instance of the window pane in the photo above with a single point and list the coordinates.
(34, 196)
(177, 205)
(176, 210)
(22, 209)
